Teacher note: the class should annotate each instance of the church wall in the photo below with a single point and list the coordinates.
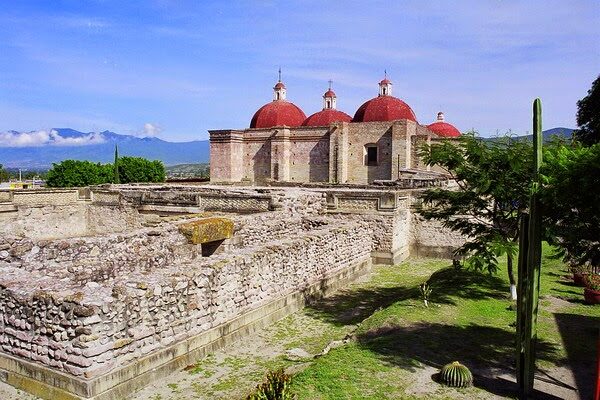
(226, 152)
(309, 154)
(257, 155)
(361, 134)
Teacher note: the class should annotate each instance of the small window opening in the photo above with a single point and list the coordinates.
(328, 104)
(371, 155)
(277, 95)
(384, 91)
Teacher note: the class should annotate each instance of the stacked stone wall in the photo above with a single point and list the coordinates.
(430, 238)
(63, 221)
(87, 330)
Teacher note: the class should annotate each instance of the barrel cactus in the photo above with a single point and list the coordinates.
(456, 375)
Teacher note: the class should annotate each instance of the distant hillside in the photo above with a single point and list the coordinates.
(101, 149)
(547, 135)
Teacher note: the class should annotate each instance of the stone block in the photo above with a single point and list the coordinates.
(207, 230)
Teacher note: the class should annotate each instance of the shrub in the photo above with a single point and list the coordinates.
(73, 173)
(275, 387)
(138, 169)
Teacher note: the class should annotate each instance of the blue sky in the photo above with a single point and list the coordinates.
(178, 68)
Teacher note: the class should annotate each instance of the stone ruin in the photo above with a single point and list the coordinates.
(103, 290)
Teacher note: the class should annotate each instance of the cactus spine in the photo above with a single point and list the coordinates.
(456, 375)
(530, 253)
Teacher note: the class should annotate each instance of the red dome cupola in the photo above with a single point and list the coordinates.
(442, 128)
(279, 112)
(329, 113)
(384, 107)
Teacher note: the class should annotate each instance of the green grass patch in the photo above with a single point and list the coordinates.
(399, 341)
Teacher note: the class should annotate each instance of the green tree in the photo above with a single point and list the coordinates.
(588, 116)
(571, 198)
(138, 169)
(494, 181)
(4, 175)
(75, 173)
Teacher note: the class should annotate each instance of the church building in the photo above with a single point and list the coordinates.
(283, 145)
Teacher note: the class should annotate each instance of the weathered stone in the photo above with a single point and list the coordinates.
(207, 230)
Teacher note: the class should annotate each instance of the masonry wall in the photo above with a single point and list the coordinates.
(359, 135)
(63, 221)
(91, 329)
(431, 239)
(335, 153)
(309, 148)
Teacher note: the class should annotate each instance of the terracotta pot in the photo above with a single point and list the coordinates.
(579, 278)
(591, 296)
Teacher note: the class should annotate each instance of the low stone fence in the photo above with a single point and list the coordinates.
(40, 197)
(90, 330)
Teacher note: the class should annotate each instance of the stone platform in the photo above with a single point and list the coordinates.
(124, 290)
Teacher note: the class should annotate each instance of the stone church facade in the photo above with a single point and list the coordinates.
(283, 145)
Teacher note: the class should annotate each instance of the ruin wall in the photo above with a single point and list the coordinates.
(89, 330)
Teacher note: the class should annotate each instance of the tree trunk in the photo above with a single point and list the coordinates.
(511, 278)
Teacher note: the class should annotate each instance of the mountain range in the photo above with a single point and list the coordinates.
(547, 135)
(100, 147)
(64, 143)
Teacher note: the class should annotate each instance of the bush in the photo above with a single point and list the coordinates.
(138, 169)
(74, 173)
(275, 387)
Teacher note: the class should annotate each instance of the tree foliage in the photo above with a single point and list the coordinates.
(494, 180)
(571, 201)
(75, 173)
(4, 175)
(138, 169)
(588, 116)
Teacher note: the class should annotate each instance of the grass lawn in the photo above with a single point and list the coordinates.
(399, 343)
(395, 344)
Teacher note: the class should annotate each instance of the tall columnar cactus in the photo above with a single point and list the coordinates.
(456, 375)
(530, 253)
(116, 166)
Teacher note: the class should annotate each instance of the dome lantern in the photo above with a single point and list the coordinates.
(279, 91)
(329, 99)
(385, 86)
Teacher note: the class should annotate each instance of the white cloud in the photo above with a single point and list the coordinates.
(47, 138)
(151, 130)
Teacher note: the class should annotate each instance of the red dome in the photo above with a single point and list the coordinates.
(329, 93)
(384, 108)
(326, 117)
(443, 129)
(278, 113)
(279, 85)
